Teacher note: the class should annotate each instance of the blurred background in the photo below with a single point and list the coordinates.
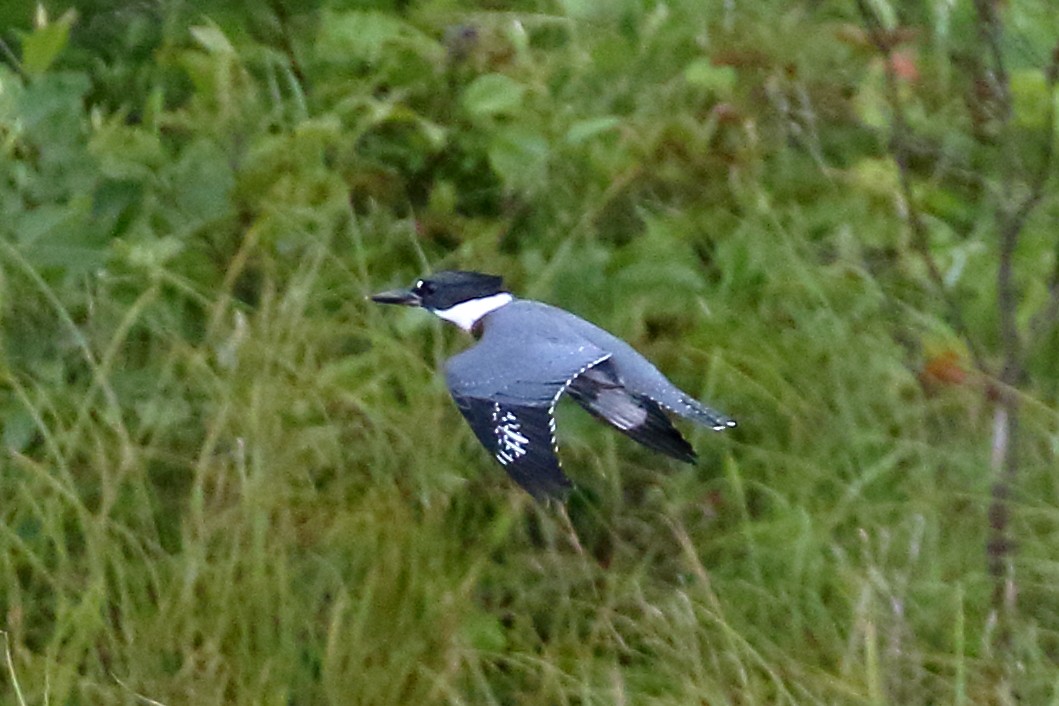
(229, 479)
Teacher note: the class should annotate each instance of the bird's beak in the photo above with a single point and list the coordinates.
(404, 297)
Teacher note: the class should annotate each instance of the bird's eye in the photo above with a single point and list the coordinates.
(422, 288)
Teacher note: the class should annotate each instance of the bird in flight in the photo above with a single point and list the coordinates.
(528, 355)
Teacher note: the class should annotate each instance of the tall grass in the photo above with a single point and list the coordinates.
(231, 479)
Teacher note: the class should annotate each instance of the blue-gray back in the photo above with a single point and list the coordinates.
(530, 325)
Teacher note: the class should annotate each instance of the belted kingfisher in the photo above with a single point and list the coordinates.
(528, 354)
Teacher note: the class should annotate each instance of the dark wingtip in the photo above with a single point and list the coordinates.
(659, 435)
(689, 457)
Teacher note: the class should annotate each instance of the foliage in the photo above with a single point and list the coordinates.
(230, 479)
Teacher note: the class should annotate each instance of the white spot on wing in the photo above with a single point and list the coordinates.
(512, 444)
(725, 423)
(555, 399)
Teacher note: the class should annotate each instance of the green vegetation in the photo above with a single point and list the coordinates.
(229, 479)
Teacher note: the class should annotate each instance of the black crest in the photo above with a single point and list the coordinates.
(443, 290)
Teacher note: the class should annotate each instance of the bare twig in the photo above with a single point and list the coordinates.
(991, 32)
(6, 54)
(898, 147)
(1007, 302)
(1011, 222)
(1043, 322)
(999, 548)
(1012, 214)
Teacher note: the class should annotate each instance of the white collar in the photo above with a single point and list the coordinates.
(467, 314)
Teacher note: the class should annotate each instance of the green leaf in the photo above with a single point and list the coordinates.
(876, 176)
(884, 12)
(390, 112)
(41, 47)
(484, 632)
(200, 182)
(519, 156)
(212, 39)
(1032, 98)
(50, 107)
(493, 94)
(365, 36)
(660, 261)
(719, 80)
(10, 94)
(870, 101)
(115, 204)
(126, 151)
(584, 130)
(152, 253)
(64, 237)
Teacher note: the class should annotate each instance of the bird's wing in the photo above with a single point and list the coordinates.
(507, 390)
(600, 391)
(522, 439)
(638, 376)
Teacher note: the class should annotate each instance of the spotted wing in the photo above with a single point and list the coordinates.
(522, 440)
(507, 388)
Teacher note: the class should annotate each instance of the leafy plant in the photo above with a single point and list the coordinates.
(230, 479)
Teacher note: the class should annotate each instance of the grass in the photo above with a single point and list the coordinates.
(230, 479)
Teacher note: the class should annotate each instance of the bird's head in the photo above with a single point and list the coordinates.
(458, 296)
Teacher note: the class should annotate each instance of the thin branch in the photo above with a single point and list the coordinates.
(1012, 213)
(12, 59)
(1005, 446)
(898, 147)
(1043, 322)
(1000, 547)
(991, 31)
(1007, 302)
(1011, 221)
